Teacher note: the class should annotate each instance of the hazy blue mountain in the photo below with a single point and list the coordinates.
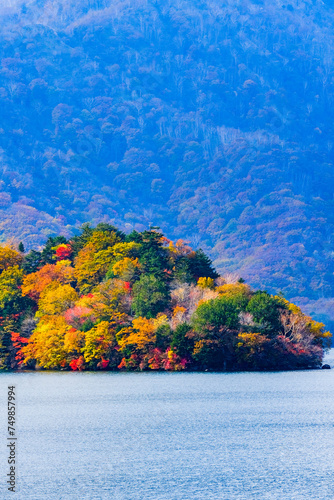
(213, 120)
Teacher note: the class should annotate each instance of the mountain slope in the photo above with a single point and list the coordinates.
(213, 122)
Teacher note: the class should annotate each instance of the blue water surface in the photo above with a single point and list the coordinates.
(172, 436)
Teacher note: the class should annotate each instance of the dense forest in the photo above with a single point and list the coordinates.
(111, 301)
(211, 120)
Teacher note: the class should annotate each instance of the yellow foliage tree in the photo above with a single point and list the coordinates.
(98, 342)
(126, 268)
(141, 335)
(56, 299)
(94, 259)
(10, 280)
(74, 341)
(103, 240)
(9, 257)
(46, 345)
(122, 250)
(160, 320)
(206, 283)
(233, 289)
(102, 251)
(91, 266)
(107, 299)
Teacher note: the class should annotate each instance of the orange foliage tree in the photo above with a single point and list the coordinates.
(34, 283)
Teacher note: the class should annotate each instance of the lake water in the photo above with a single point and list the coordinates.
(172, 436)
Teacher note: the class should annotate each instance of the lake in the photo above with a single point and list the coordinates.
(172, 436)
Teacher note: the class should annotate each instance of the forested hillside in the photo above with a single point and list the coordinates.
(213, 120)
(106, 300)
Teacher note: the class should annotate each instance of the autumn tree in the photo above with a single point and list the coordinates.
(125, 263)
(55, 299)
(74, 343)
(204, 282)
(46, 345)
(48, 252)
(34, 283)
(142, 335)
(127, 269)
(63, 251)
(87, 231)
(9, 257)
(108, 298)
(12, 303)
(12, 307)
(235, 290)
(94, 259)
(100, 343)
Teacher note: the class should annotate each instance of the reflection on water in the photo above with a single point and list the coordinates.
(174, 436)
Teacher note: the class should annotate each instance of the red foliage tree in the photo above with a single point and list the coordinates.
(77, 364)
(63, 251)
(17, 343)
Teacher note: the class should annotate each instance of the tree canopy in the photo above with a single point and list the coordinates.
(105, 300)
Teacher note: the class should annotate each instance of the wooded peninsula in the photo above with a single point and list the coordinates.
(106, 300)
